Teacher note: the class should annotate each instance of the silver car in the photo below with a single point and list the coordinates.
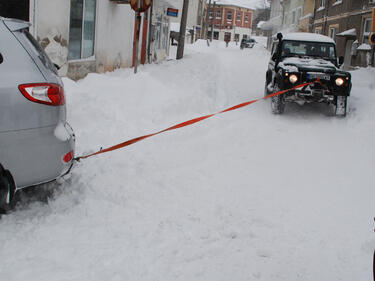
(36, 142)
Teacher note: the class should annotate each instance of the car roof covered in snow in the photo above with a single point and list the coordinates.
(310, 37)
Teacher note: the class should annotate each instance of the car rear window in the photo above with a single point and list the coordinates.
(39, 51)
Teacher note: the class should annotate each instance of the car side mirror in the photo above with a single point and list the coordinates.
(341, 60)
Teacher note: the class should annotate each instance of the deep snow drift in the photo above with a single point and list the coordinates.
(246, 195)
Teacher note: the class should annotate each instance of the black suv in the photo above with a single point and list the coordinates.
(298, 58)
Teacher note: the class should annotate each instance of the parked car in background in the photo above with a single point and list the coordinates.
(247, 43)
(298, 58)
(36, 142)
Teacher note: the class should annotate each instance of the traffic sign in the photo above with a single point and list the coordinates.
(140, 6)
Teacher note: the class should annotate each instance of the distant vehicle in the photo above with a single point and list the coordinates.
(297, 58)
(36, 142)
(247, 43)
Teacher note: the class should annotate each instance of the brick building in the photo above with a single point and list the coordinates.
(230, 21)
(348, 22)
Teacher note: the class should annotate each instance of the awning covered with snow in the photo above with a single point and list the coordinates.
(349, 34)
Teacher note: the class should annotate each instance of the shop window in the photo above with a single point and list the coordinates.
(82, 29)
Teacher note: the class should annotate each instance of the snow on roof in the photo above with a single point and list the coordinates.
(364, 47)
(305, 36)
(249, 4)
(350, 32)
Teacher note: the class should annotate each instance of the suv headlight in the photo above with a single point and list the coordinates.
(339, 81)
(293, 78)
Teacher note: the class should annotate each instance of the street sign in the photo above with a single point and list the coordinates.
(372, 39)
(172, 12)
(140, 6)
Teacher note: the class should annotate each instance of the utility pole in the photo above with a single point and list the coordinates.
(212, 21)
(207, 18)
(181, 38)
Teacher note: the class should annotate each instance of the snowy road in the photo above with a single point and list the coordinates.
(246, 195)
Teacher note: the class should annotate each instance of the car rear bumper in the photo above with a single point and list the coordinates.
(36, 156)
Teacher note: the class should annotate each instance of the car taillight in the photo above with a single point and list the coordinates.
(68, 157)
(45, 93)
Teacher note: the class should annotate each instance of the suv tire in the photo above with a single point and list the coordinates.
(277, 102)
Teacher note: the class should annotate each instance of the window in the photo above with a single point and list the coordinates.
(246, 18)
(239, 16)
(294, 17)
(372, 1)
(218, 14)
(299, 13)
(333, 31)
(366, 30)
(229, 15)
(211, 14)
(312, 49)
(82, 29)
(322, 3)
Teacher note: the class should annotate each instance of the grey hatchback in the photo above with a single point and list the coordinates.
(36, 142)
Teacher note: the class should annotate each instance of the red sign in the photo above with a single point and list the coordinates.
(172, 12)
(140, 5)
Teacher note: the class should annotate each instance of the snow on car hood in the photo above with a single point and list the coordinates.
(294, 64)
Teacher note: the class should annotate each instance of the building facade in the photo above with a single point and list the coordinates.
(195, 19)
(290, 16)
(348, 22)
(83, 36)
(229, 22)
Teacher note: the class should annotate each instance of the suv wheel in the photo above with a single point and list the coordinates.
(341, 104)
(277, 102)
(7, 191)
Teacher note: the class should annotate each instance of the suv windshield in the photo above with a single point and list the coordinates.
(309, 49)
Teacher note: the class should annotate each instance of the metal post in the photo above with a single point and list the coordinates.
(138, 23)
(181, 38)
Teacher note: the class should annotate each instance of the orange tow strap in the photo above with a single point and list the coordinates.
(190, 122)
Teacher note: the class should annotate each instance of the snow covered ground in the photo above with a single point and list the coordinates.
(246, 195)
